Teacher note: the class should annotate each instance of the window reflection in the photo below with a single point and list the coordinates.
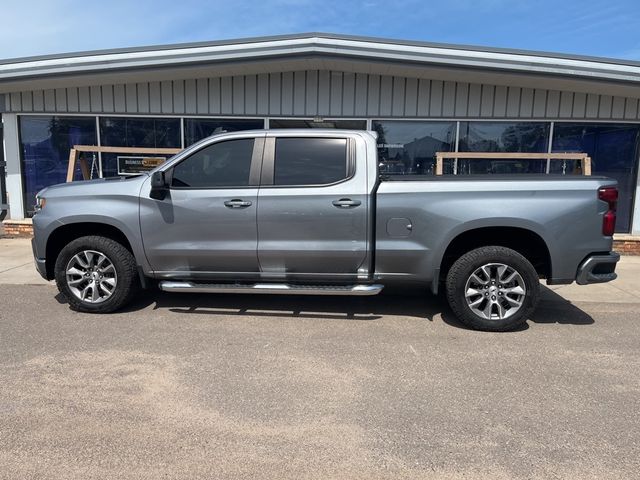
(530, 137)
(310, 161)
(45, 142)
(310, 123)
(408, 148)
(195, 129)
(136, 132)
(613, 149)
(223, 164)
(140, 132)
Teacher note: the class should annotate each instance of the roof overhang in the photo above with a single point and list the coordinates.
(324, 51)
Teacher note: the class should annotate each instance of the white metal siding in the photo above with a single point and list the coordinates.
(325, 93)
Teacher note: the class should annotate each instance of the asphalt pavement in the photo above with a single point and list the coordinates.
(224, 386)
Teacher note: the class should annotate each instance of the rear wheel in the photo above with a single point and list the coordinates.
(492, 288)
(96, 274)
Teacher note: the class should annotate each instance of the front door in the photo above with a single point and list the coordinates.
(205, 227)
(312, 209)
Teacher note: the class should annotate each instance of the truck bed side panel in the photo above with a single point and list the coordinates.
(564, 212)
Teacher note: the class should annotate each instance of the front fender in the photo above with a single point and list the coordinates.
(130, 229)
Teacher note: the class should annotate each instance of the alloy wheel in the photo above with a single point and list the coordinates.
(495, 291)
(91, 276)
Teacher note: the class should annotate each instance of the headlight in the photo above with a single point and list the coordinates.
(40, 203)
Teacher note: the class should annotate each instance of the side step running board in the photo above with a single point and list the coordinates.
(282, 288)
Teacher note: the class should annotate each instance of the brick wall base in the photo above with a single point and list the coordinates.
(627, 245)
(17, 228)
(623, 244)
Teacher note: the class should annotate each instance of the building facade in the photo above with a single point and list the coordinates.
(420, 98)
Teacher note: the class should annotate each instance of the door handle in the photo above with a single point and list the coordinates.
(346, 203)
(237, 203)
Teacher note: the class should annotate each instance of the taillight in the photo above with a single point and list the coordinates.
(609, 195)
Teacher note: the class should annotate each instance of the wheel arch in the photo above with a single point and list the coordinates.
(68, 232)
(523, 240)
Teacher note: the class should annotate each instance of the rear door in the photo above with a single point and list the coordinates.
(312, 208)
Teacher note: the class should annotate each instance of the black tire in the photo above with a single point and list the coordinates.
(126, 277)
(461, 273)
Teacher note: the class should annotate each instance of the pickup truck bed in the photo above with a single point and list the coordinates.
(526, 212)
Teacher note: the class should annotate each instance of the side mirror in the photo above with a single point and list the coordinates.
(159, 185)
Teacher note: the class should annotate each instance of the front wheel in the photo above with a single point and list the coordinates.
(492, 288)
(96, 274)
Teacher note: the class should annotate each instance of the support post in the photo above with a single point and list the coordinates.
(84, 168)
(11, 148)
(72, 164)
(438, 164)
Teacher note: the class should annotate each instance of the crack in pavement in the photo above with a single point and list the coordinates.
(13, 268)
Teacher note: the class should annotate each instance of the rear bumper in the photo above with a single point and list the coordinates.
(598, 269)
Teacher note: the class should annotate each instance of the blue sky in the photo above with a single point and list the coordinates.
(589, 27)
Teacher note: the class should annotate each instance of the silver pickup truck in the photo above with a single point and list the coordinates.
(308, 212)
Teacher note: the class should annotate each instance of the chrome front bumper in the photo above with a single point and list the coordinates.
(598, 269)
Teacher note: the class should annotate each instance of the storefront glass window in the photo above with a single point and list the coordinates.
(195, 129)
(45, 142)
(531, 137)
(310, 123)
(409, 147)
(613, 148)
(136, 132)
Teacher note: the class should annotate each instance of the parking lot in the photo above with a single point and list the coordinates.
(222, 386)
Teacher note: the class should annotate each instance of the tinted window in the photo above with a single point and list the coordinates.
(224, 164)
(305, 123)
(310, 161)
(145, 132)
(140, 132)
(45, 142)
(409, 147)
(195, 129)
(613, 149)
(531, 137)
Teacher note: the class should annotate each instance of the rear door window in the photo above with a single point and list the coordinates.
(310, 161)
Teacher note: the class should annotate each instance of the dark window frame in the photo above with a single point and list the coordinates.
(268, 163)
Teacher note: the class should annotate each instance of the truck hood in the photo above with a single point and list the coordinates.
(99, 186)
